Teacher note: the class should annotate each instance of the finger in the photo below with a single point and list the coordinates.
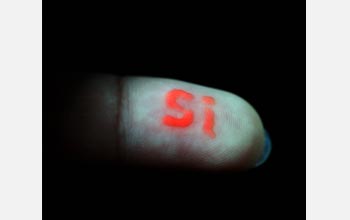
(156, 121)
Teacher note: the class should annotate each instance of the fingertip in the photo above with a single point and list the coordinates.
(224, 133)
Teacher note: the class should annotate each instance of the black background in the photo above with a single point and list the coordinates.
(253, 49)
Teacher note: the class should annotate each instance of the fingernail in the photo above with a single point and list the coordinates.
(267, 150)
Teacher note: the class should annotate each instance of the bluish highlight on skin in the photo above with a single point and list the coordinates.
(267, 150)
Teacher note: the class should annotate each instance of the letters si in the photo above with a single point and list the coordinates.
(187, 114)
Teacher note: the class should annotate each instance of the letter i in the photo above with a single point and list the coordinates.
(209, 117)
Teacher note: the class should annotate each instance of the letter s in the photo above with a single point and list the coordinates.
(187, 117)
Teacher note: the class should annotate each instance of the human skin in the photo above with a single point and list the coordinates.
(162, 122)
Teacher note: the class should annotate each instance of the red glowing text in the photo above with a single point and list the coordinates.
(187, 115)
